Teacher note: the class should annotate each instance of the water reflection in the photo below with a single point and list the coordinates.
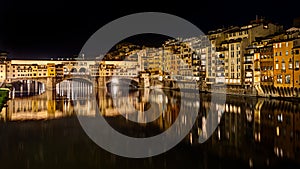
(253, 132)
(26, 88)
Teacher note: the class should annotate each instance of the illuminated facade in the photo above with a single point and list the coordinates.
(283, 62)
(232, 43)
(296, 58)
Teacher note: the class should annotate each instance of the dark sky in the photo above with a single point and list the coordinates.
(56, 28)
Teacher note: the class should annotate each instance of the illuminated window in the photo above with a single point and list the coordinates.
(287, 79)
(290, 65)
(279, 78)
(276, 66)
(286, 53)
(297, 64)
(279, 45)
(287, 44)
(283, 66)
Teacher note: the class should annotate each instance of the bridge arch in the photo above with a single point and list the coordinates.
(73, 70)
(82, 70)
(123, 81)
(80, 79)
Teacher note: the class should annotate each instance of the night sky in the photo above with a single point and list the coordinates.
(55, 28)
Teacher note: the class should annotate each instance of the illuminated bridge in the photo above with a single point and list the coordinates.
(52, 72)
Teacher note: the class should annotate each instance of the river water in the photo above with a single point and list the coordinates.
(40, 129)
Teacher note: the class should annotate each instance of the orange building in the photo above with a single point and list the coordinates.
(296, 73)
(283, 63)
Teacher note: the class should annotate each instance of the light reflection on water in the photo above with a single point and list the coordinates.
(43, 131)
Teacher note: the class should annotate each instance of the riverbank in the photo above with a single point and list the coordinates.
(235, 92)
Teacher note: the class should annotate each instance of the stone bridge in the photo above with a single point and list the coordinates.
(50, 82)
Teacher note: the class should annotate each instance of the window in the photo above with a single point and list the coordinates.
(290, 65)
(283, 66)
(286, 44)
(279, 45)
(287, 79)
(297, 52)
(286, 53)
(280, 54)
(276, 54)
(279, 78)
(232, 54)
(276, 66)
(232, 47)
(237, 46)
(297, 64)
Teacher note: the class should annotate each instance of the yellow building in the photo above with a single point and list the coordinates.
(51, 70)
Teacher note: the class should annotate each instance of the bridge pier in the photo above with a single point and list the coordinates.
(51, 103)
(51, 83)
(101, 81)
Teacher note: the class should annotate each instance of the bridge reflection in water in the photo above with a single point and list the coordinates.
(253, 132)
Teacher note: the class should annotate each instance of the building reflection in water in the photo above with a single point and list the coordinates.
(254, 130)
